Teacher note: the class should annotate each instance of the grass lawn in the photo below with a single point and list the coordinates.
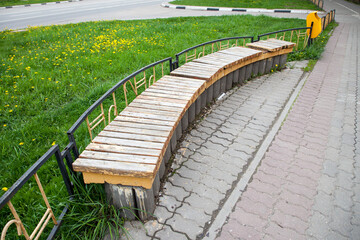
(50, 75)
(4, 3)
(269, 4)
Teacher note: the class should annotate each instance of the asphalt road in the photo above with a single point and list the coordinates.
(94, 10)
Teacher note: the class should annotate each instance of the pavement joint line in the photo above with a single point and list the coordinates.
(227, 9)
(220, 219)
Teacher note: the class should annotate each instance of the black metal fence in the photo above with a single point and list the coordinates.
(71, 150)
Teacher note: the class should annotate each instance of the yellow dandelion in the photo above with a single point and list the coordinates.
(16, 105)
(21, 143)
(53, 143)
(70, 85)
(10, 110)
(4, 125)
(33, 139)
(4, 189)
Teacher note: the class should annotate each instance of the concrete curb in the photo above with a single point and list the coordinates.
(39, 4)
(225, 9)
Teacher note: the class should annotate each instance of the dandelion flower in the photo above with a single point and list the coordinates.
(10, 110)
(4, 125)
(70, 85)
(21, 143)
(53, 143)
(4, 189)
(33, 139)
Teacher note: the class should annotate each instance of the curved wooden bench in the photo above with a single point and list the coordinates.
(130, 154)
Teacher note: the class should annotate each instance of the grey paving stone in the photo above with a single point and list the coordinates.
(205, 204)
(341, 222)
(136, 230)
(178, 192)
(162, 214)
(194, 214)
(318, 226)
(330, 168)
(343, 198)
(344, 180)
(169, 202)
(182, 225)
(168, 233)
(323, 203)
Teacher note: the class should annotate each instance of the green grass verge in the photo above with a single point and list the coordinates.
(5, 3)
(50, 75)
(268, 4)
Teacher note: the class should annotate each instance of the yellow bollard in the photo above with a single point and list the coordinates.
(316, 20)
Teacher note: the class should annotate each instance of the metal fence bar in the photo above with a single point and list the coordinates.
(32, 171)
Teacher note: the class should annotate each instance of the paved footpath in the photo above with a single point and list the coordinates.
(246, 172)
(308, 184)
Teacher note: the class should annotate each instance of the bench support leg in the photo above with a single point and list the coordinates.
(262, 66)
(122, 197)
(276, 63)
(269, 65)
(242, 75)
(236, 76)
(248, 71)
(192, 112)
(145, 202)
(283, 59)
(210, 94)
(229, 81)
(185, 121)
(217, 88)
(223, 84)
(197, 106)
(255, 70)
(203, 99)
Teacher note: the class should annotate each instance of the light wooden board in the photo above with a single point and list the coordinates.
(114, 141)
(141, 124)
(118, 157)
(132, 136)
(156, 106)
(123, 149)
(114, 168)
(133, 128)
(132, 108)
(167, 120)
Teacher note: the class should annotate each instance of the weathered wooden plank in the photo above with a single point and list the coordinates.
(132, 136)
(151, 111)
(165, 101)
(160, 102)
(127, 142)
(141, 129)
(123, 149)
(183, 80)
(177, 87)
(165, 95)
(114, 168)
(167, 120)
(141, 123)
(156, 106)
(172, 92)
(118, 157)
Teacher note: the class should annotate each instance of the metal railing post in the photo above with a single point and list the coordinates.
(310, 39)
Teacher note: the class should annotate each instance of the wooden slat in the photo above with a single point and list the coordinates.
(172, 92)
(156, 106)
(184, 80)
(151, 111)
(169, 102)
(123, 149)
(132, 136)
(115, 168)
(127, 142)
(156, 101)
(135, 129)
(167, 120)
(140, 123)
(118, 157)
(166, 95)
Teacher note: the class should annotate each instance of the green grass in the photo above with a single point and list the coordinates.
(4, 3)
(50, 75)
(269, 4)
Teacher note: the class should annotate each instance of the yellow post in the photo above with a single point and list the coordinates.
(316, 20)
